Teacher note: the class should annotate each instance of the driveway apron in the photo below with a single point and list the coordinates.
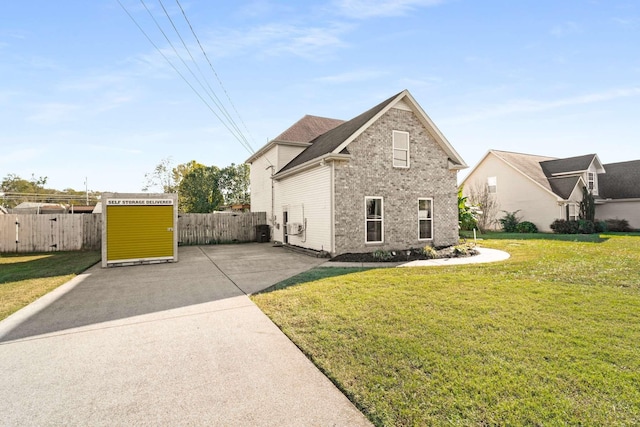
(165, 344)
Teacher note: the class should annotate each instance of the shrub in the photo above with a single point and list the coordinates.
(586, 226)
(621, 225)
(562, 226)
(460, 250)
(510, 221)
(526, 227)
(382, 255)
(582, 226)
(601, 226)
(429, 252)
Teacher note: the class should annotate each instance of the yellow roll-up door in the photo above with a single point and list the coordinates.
(139, 232)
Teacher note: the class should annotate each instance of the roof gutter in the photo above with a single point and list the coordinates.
(318, 161)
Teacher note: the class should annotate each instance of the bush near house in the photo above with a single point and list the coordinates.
(621, 225)
(510, 221)
(583, 226)
(526, 227)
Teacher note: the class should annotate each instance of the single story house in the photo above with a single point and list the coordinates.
(544, 188)
(386, 179)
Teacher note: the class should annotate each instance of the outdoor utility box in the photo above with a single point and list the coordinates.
(263, 233)
(139, 228)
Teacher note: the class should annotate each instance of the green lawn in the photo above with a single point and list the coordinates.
(549, 337)
(26, 277)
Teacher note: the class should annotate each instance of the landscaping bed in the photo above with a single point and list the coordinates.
(411, 254)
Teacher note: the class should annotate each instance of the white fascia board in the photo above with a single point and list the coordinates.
(369, 123)
(454, 157)
(311, 164)
(475, 167)
(440, 138)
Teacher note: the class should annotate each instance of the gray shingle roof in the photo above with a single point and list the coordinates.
(528, 164)
(308, 128)
(621, 181)
(329, 141)
(570, 164)
(564, 186)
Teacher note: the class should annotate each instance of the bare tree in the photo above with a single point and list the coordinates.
(479, 196)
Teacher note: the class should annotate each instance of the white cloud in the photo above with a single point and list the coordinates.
(375, 8)
(566, 29)
(352, 76)
(314, 43)
(53, 113)
(530, 106)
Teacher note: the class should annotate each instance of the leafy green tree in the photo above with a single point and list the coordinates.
(234, 184)
(198, 190)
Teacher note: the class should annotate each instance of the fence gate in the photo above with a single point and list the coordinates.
(139, 228)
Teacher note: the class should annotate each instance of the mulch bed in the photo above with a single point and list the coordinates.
(402, 255)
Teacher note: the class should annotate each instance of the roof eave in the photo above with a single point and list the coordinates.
(311, 163)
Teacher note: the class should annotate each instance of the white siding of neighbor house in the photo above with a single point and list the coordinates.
(516, 192)
(307, 198)
(260, 184)
(629, 210)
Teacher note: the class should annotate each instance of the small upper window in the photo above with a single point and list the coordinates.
(400, 149)
(592, 183)
(492, 184)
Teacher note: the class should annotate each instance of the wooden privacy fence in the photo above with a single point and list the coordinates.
(50, 232)
(67, 232)
(206, 229)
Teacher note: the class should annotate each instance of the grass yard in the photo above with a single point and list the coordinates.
(549, 337)
(26, 277)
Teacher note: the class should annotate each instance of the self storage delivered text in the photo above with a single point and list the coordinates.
(139, 202)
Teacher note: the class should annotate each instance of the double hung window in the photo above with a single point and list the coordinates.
(425, 219)
(400, 149)
(374, 219)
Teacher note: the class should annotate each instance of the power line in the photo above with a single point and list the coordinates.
(247, 147)
(217, 100)
(211, 65)
(228, 121)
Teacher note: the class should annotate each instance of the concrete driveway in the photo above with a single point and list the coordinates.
(165, 344)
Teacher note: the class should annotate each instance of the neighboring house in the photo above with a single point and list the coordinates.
(39, 208)
(544, 189)
(386, 179)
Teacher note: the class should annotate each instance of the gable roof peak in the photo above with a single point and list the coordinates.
(336, 140)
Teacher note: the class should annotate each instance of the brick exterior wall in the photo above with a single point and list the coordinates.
(370, 173)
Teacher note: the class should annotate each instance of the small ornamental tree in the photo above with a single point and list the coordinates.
(587, 205)
(467, 215)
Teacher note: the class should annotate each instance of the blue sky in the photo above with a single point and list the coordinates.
(83, 93)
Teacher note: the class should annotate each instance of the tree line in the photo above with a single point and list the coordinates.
(201, 188)
(16, 190)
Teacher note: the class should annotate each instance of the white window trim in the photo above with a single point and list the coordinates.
(431, 218)
(493, 179)
(593, 183)
(408, 150)
(367, 220)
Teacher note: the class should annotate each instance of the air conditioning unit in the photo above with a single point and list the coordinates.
(294, 228)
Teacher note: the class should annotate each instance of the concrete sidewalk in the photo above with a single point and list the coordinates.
(165, 344)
